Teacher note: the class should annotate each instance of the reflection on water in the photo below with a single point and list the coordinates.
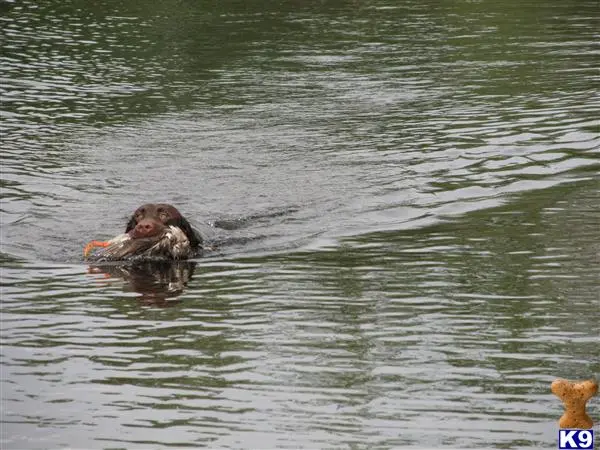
(401, 200)
(155, 281)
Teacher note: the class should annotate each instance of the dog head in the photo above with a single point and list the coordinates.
(151, 219)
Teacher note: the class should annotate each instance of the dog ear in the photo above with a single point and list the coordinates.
(131, 224)
(193, 236)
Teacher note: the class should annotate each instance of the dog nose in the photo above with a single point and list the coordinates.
(146, 228)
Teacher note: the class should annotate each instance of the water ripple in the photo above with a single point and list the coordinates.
(403, 200)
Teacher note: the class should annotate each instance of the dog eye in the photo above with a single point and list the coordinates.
(163, 216)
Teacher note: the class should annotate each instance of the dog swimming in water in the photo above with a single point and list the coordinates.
(154, 231)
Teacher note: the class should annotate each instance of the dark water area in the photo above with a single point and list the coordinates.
(402, 200)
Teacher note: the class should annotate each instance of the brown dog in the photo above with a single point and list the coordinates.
(151, 219)
(154, 230)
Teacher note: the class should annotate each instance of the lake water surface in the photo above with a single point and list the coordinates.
(402, 200)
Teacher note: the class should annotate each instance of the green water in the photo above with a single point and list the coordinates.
(403, 203)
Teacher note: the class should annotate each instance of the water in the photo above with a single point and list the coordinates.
(402, 200)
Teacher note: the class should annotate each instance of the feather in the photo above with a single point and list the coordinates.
(171, 244)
